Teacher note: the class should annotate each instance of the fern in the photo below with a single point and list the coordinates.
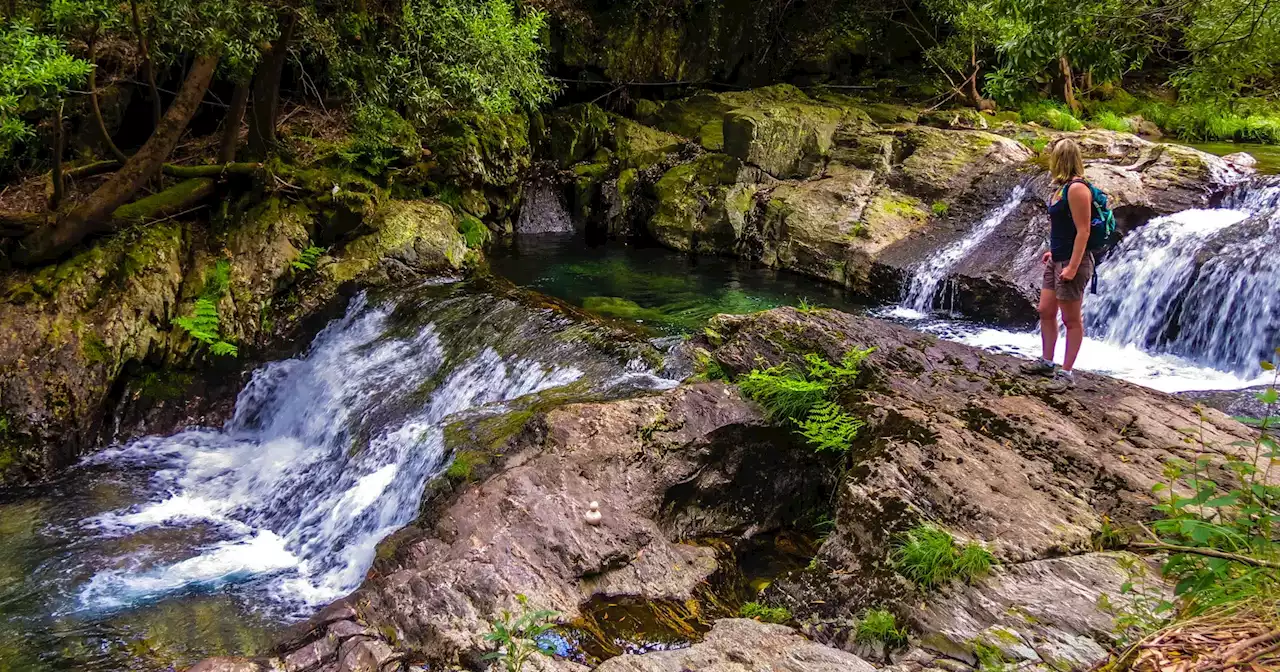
(308, 259)
(203, 322)
(784, 392)
(830, 428)
(808, 398)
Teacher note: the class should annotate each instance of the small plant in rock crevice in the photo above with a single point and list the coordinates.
(519, 637)
(880, 625)
(204, 324)
(307, 259)
(764, 613)
(930, 557)
(808, 398)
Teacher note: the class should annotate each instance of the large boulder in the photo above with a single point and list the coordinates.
(943, 163)
(693, 462)
(832, 228)
(783, 140)
(703, 205)
(407, 238)
(68, 330)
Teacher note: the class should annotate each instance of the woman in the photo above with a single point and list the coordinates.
(1068, 265)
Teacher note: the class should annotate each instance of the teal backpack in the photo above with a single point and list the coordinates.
(1102, 226)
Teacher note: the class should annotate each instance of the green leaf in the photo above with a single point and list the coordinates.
(1268, 396)
(1219, 502)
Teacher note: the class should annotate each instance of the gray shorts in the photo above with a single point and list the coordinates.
(1072, 290)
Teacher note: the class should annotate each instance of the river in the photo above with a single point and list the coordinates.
(165, 550)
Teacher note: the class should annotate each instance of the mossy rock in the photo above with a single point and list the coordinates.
(783, 140)
(947, 163)
(479, 149)
(958, 117)
(701, 206)
(577, 132)
(889, 114)
(638, 146)
(422, 235)
(812, 226)
(67, 331)
(868, 152)
(699, 118)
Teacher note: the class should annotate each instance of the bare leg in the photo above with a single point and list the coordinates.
(1073, 319)
(1049, 322)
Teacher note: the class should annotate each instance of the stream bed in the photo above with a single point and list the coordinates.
(165, 550)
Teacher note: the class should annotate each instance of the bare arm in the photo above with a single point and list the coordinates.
(1080, 198)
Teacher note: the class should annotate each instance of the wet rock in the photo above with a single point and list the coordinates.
(543, 212)
(577, 132)
(67, 332)
(740, 645)
(226, 665)
(312, 656)
(688, 463)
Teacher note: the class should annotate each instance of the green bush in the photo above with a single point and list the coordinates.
(764, 613)
(879, 625)
(929, 557)
(939, 208)
(808, 398)
(1052, 114)
(1111, 122)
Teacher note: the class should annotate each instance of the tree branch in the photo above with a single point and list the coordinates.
(147, 69)
(93, 101)
(1207, 552)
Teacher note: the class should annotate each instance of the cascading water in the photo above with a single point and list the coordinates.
(198, 534)
(933, 272)
(1201, 284)
(326, 455)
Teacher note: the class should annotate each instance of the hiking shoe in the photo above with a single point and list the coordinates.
(1040, 367)
(1062, 380)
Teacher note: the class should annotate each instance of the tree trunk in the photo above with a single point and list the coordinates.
(1086, 81)
(94, 213)
(231, 125)
(266, 94)
(59, 182)
(147, 69)
(1068, 86)
(93, 101)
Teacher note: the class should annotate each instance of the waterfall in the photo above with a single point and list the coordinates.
(1201, 284)
(934, 271)
(328, 453)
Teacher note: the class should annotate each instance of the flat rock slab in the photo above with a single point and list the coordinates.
(1047, 612)
(740, 645)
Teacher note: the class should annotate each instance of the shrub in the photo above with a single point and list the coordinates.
(879, 625)
(929, 556)
(380, 138)
(519, 637)
(1051, 114)
(939, 208)
(764, 613)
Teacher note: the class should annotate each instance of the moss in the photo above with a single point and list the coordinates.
(784, 140)
(144, 209)
(478, 148)
(464, 464)
(473, 231)
(691, 201)
(625, 309)
(888, 113)
(93, 348)
(639, 146)
(577, 132)
(425, 226)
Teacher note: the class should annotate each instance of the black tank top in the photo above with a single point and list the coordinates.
(1062, 228)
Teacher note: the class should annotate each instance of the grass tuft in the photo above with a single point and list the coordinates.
(764, 613)
(879, 625)
(1051, 114)
(929, 557)
(1111, 122)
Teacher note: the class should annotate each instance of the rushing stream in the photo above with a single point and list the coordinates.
(171, 548)
(168, 549)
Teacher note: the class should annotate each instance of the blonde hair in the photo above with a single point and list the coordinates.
(1065, 161)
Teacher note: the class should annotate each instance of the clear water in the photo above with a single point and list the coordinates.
(1268, 156)
(654, 287)
(169, 549)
